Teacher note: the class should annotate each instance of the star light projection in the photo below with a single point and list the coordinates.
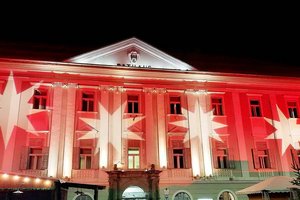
(132, 131)
(211, 127)
(9, 102)
(288, 131)
(94, 133)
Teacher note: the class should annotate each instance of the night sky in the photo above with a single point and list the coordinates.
(271, 39)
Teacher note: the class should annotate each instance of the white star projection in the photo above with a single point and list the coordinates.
(287, 130)
(92, 134)
(130, 123)
(9, 108)
(212, 125)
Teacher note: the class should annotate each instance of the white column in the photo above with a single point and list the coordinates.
(55, 129)
(161, 128)
(151, 128)
(241, 134)
(194, 130)
(69, 131)
(104, 128)
(205, 135)
(115, 124)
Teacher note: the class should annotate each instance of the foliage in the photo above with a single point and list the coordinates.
(296, 168)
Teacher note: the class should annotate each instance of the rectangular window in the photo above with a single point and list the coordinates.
(222, 159)
(175, 105)
(263, 158)
(133, 104)
(178, 158)
(39, 99)
(255, 108)
(35, 158)
(292, 108)
(217, 106)
(87, 103)
(133, 158)
(85, 156)
(295, 156)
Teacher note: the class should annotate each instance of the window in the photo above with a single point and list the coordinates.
(261, 156)
(39, 99)
(35, 158)
(182, 195)
(226, 195)
(175, 105)
(295, 156)
(133, 104)
(133, 158)
(255, 108)
(87, 103)
(83, 196)
(178, 158)
(222, 159)
(292, 108)
(222, 155)
(217, 106)
(85, 158)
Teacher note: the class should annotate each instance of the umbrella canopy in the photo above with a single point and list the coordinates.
(273, 184)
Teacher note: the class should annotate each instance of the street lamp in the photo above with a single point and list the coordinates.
(166, 193)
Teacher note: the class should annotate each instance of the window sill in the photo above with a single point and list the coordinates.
(174, 115)
(79, 111)
(134, 114)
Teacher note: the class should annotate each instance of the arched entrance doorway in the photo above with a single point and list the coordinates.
(133, 193)
(141, 181)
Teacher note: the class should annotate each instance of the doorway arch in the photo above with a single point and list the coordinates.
(134, 192)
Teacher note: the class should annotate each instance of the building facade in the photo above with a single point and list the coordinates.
(146, 125)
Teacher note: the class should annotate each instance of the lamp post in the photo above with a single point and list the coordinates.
(166, 193)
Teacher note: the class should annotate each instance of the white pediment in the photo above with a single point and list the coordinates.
(131, 53)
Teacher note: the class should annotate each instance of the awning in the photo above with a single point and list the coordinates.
(272, 185)
(14, 181)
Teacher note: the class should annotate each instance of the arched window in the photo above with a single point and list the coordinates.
(83, 197)
(226, 195)
(182, 196)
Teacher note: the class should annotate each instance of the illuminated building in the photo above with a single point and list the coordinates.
(136, 120)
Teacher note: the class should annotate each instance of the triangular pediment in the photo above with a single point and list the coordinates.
(131, 53)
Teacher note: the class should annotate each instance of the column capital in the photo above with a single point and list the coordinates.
(57, 84)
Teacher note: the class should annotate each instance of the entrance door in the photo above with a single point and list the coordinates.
(133, 193)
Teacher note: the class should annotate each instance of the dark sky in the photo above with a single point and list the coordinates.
(270, 38)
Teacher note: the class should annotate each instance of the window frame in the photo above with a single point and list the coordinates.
(174, 105)
(133, 102)
(220, 111)
(253, 108)
(134, 156)
(41, 99)
(292, 114)
(178, 159)
(261, 155)
(88, 100)
(85, 156)
(37, 158)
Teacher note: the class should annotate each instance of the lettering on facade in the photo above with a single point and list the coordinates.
(132, 65)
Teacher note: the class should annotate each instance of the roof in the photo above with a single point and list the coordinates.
(121, 54)
(273, 185)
